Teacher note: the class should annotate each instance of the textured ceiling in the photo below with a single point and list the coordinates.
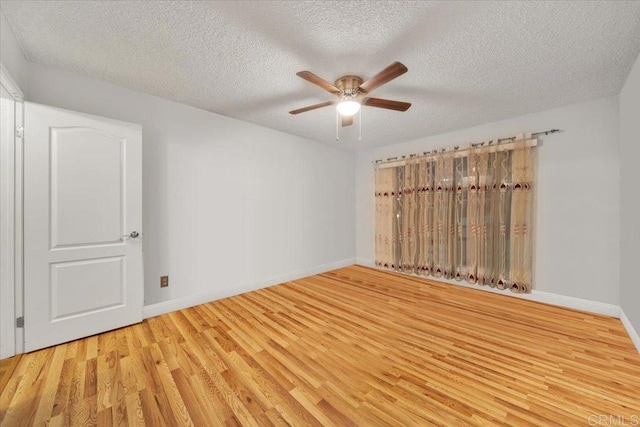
(469, 62)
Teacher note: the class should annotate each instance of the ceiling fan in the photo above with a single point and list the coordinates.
(350, 92)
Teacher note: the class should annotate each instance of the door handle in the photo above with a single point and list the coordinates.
(132, 235)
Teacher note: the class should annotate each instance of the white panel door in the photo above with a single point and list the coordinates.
(82, 225)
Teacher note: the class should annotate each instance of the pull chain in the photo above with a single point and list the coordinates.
(360, 125)
(337, 125)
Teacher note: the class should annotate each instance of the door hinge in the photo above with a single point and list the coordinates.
(20, 322)
(20, 132)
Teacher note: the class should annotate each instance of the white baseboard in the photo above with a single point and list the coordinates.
(633, 334)
(185, 302)
(605, 309)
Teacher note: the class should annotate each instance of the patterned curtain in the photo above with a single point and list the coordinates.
(459, 215)
(386, 237)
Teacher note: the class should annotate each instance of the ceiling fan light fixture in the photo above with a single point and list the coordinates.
(348, 107)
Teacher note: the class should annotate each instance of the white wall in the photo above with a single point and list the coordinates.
(577, 223)
(630, 197)
(11, 55)
(226, 204)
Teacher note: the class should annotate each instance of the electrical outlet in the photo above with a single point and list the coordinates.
(164, 281)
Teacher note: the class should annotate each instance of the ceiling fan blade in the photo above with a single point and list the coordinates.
(391, 72)
(319, 81)
(347, 121)
(312, 107)
(386, 103)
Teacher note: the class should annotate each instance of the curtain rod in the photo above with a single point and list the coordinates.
(424, 153)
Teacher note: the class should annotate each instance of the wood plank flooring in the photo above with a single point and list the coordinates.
(354, 346)
(7, 366)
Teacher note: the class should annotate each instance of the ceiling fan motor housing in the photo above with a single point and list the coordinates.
(349, 85)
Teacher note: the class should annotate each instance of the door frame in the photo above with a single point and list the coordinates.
(12, 307)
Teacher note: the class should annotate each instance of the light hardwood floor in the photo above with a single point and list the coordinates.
(354, 346)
